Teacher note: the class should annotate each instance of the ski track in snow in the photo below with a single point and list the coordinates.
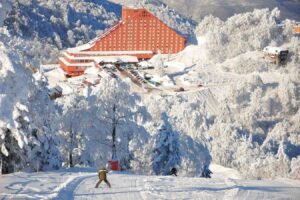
(68, 191)
(126, 186)
(225, 184)
(123, 187)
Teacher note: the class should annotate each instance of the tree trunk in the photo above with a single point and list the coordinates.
(0, 165)
(114, 134)
(71, 164)
(114, 124)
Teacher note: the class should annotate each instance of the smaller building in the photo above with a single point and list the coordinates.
(296, 29)
(74, 64)
(276, 55)
(55, 92)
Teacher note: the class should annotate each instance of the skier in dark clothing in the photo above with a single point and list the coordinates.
(206, 172)
(173, 171)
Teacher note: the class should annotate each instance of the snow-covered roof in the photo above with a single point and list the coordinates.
(107, 59)
(145, 64)
(82, 47)
(90, 64)
(274, 50)
(115, 59)
(103, 53)
(110, 30)
(58, 88)
(91, 70)
(90, 44)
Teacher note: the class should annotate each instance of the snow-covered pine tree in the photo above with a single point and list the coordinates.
(159, 62)
(165, 154)
(43, 141)
(12, 155)
(30, 141)
(71, 131)
(118, 108)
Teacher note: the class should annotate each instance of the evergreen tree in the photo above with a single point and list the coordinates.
(72, 131)
(118, 111)
(166, 154)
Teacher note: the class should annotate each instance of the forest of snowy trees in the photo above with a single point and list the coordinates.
(78, 130)
(255, 125)
(39, 134)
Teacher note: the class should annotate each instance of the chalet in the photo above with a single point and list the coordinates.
(138, 34)
(296, 29)
(275, 55)
(55, 92)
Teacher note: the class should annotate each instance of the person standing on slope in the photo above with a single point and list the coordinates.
(206, 172)
(173, 171)
(102, 177)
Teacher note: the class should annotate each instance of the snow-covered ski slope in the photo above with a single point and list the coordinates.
(79, 184)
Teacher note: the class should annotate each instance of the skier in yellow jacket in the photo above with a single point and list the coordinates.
(102, 177)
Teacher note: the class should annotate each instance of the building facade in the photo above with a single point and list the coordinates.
(139, 30)
(139, 33)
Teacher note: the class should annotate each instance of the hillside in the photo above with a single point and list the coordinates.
(253, 127)
(241, 104)
(198, 9)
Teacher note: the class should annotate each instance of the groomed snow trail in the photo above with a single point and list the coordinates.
(124, 187)
(225, 184)
(80, 185)
(128, 187)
